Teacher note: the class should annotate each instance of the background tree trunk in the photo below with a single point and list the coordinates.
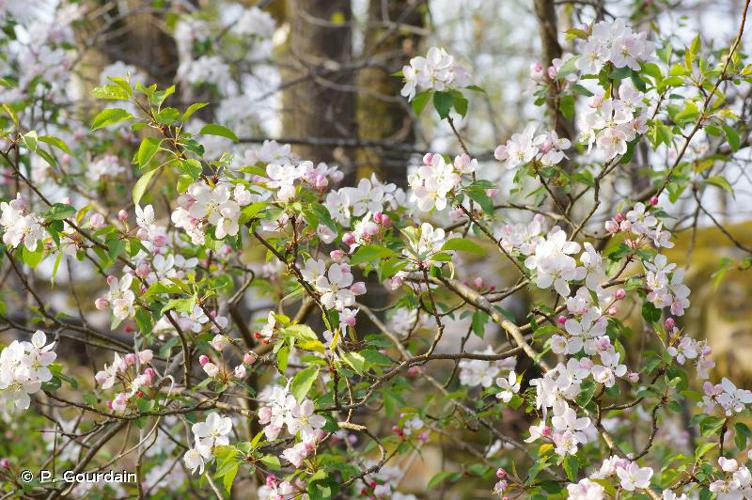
(319, 78)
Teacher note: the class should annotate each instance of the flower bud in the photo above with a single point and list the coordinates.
(654, 200)
(358, 288)
(97, 221)
(669, 323)
(101, 303)
(501, 473)
(143, 270)
(122, 215)
(633, 377)
(249, 358)
(612, 226)
(620, 294)
(348, 239)
(130, 359)
(203, 359)
(110, 279)
(149, 372)
(547, 431)
(619, 217)
(337, 255)
(612, 311)
(562, 320)
(5, 463)
(428, 158)
(412, 371)
(160, 240)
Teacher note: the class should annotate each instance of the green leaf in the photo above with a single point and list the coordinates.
(56, 142)
(732, 136)
(192, 109)
(443, 102)
(214, 129)
(721, 182)
(571, 466)
(30, 140)
(650, 313)
(420, 101)
(355, 360)
(463, 245)
(303, 381)
(147, 150)
(271, 462)
(368, 253)
(192, 168)
(110, 92)
(442, 476)
(141, 184)
(109, 116)
(59, 211)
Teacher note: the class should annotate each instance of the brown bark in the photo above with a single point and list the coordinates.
(382, 114)
(319, 99)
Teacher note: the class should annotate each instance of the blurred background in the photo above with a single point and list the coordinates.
(319, 75)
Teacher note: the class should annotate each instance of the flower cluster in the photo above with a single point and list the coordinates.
(282, 409)
(433, 181)
(725, 395)
(24, 366)
(336, 284)
(615, 43)
(132, 381)
(20, 225)
(736, 484)
(546, 149)
(207, 435)
(475, 372)
(217, 206)
(611, 122)
(437, 71)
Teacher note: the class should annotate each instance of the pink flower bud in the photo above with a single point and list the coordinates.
(122, 215)
(478, 283)
(142, 234)
(97, 221)
(160, 240)
(377, 217)
(130, 359)
(358, 288)
(423, 437)
(562, 320)
(239, 372)
(612, 226)
(620, 294)
(348, 239)
(612, 311)
(428, 158)
(101, 303)
(249, 358)
(337, 255)
(5, 463)
(669, 323)
(67, 200)
(412, 371)
(501, 473)
(143, 270)
(110, 279)
(547, 431)
(149, 372)
(619, 217)
(551, 72)
(654, 200)
(203, 359)
(633, 377)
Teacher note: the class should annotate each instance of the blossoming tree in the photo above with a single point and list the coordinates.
(325, 394)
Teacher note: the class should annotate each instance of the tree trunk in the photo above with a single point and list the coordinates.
(319, 100)
(382, 113)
